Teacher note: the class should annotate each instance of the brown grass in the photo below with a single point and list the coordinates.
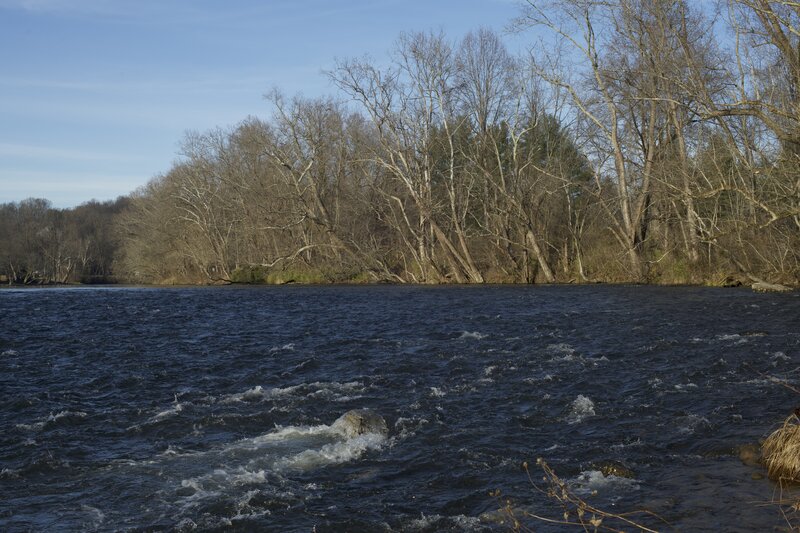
(781, 452)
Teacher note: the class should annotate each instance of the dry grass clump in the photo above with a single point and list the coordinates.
(781, 452)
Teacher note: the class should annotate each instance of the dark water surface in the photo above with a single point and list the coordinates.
(212, 407)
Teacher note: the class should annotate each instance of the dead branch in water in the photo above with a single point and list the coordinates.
(576, 511)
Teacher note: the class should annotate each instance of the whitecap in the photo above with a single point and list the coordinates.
(734, 339)
(436, 392)
(171, 452)
(289, 347)
(633, 444)
(9, 472)
(333, 390)
(241, 515)
(343, 399)
(561, 348)
(473, 335)
(690, 423)
(405, 427)
(563, 352)
(439, 522)
(591, 481)
(350, 386)
(174, 410)
(581, 408)
(333, 453)
(50, 419)
(255, 393)
(9, 353)
(290, 432)
(186, 524)
(780, 356)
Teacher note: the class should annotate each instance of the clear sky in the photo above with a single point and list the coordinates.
(96, 95)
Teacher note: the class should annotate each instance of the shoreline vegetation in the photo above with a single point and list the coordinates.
(280, 280)
(630, 145)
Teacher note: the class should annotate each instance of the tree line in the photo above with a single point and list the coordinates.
(638, 140)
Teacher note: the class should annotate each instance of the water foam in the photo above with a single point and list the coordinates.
(289, 347)
(302, 447)
(437, 522)
(580, 409)
(166, 413)
(632, 444)
(477, 335)
(291, 432)
(689, 424)
(436, 392)
(563, 352)
(779, 356)
(594, 481)
(734, 339)
(332, 390)
(9, 473)
(405, 427)
(257, 463)
(333, 453)
(50, 419)
(256, 393)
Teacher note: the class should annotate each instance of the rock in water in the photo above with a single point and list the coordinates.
(359, 422)
(749, 454)
(614, 468)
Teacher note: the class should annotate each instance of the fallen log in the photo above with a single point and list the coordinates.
(763, 286)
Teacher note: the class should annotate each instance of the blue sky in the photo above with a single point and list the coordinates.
(96, 95)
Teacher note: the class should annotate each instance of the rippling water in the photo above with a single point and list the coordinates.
(214, 407)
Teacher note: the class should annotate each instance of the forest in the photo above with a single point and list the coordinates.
(647, 141)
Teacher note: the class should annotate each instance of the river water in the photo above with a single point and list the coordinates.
(213, 408)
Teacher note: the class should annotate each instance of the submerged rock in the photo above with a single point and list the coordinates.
(614, 468)
(359, 422)
(749, 454)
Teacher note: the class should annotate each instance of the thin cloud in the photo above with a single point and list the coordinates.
(153, 12)
(64, 6)
(223, 83)
(65, 189)
(143, 11)
(27, 151)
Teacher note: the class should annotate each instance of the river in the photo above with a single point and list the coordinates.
(213, 408)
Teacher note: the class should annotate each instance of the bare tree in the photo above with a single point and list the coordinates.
(412, 105)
